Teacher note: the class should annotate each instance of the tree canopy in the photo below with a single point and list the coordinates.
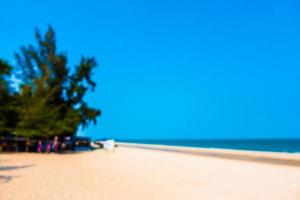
(6, 102)
(50, 100)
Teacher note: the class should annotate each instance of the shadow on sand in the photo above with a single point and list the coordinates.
(5, 168)
(6, 179)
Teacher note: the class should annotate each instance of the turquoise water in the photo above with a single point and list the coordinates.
(273, 145)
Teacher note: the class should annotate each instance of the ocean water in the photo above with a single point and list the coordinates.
(272, 145)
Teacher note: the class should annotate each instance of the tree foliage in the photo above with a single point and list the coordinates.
(8, 103)
(51, 97)
(4, 71)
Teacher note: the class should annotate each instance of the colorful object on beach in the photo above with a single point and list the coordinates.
(109, 145)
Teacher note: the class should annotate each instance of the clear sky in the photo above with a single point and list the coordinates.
(177, 69)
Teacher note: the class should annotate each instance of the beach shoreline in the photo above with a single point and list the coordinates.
(259, 156)
(203, 148)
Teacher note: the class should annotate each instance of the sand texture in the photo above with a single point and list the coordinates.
(142, 174)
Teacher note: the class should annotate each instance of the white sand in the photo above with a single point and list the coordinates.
(142, 174)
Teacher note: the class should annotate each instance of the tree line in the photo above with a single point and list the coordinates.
(49, 100)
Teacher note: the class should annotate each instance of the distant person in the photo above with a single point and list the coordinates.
(48, 146)
(39, 146)
(63, 146)
(55, 144)
(27, 144)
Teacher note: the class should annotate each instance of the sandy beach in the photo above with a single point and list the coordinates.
(136, 173)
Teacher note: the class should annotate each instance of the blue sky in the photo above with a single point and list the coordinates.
(177, 69)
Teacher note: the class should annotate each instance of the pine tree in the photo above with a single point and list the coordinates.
(8, 113)
(51, 98)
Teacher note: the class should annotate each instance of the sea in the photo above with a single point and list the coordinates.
(271, 145)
